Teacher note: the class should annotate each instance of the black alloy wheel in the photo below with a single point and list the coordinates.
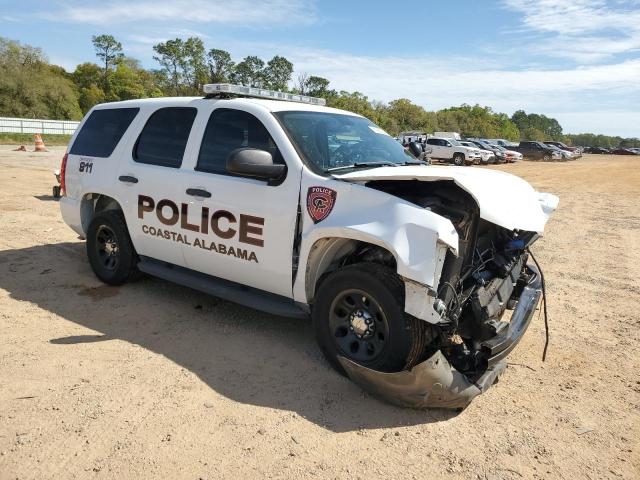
(359, 325)
(109, 248)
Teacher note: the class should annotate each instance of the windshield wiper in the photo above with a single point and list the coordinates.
(416, 162)
(363, 165)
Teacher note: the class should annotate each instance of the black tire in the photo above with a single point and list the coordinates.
(109, 248)
(396, 340)
(546, 157)
(56, 191)
(458, 159)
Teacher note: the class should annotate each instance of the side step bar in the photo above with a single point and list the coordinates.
(218, 287)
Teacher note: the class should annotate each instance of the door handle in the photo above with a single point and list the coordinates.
(128, 179)
(197, 192)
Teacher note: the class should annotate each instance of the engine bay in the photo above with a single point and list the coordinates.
(478, 285)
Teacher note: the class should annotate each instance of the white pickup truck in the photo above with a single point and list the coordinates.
(276, 202)
(450, 150)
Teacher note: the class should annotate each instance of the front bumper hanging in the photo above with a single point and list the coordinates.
(435, 383)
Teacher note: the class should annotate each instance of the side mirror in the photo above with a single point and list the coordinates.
(448, 144)
(415, 149)
(253, 162)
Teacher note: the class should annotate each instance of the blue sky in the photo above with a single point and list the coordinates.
(576, 60)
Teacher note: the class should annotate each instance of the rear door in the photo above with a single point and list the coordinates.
(437, 147)
(95, 151)
(151, 184)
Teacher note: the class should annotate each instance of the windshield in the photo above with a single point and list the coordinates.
(331, 140)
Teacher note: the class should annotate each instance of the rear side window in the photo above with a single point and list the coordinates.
(230, 129)
(164, 138)
(102, 131)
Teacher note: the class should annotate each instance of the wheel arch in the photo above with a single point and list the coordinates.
(327, 254)
(94, 203)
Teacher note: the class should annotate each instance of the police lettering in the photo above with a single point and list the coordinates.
(247, 228)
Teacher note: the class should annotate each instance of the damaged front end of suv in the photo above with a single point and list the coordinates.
(490, 272)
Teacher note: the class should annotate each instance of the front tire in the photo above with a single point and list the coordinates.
(358, 313)
(458, 159)
(109, 248)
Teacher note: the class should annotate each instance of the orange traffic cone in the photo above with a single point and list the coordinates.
(21, 148)
(39, 143)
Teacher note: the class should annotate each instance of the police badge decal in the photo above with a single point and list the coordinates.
(320, 202)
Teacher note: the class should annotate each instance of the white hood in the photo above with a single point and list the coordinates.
(504, 199)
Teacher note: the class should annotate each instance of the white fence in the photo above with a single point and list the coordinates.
(28, 125)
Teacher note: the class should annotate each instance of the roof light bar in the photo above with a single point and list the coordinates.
(228, 88)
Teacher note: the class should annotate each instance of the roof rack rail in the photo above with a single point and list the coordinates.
(226, 90)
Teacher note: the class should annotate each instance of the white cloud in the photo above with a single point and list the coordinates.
(581, 30)
(440, 83)
(624, 124)
(241, 12)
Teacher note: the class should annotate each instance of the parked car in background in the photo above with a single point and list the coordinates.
(576, 150)
(449, 150)
(565, 154)
(486, 156)
(510, 156)
(623, 151)
(537, 151)
(502, 142)
(484, 144)
(454, 135)
(597, 150)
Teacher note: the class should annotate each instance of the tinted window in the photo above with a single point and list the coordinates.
(230, 129)
(432, 141)
(164, 137)
(102, 131)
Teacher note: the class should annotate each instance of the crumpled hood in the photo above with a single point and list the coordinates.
(504, 199)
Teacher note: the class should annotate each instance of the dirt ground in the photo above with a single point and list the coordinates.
(153, 380)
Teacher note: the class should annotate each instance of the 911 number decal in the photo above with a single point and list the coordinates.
(85, 167)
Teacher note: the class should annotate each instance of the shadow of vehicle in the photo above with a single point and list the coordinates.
(245, 355)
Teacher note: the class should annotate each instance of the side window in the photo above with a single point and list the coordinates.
(102, 131)
(432, 141)
(164, 138)
(227, 130)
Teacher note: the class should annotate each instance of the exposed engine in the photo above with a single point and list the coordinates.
(478, 285)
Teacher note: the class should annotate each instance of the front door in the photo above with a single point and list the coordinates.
(246, 226)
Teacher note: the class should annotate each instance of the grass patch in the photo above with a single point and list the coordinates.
(27, 139)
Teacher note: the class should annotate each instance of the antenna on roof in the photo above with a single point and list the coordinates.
(224, 90)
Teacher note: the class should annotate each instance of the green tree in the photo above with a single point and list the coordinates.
(171, 56)
(278, 73)
(532, 133)
(317, 86)
(354, 102)
(196, 71)
(31, 88)
(220, 66)
(109, 50)
(406, 116)
(249, 72)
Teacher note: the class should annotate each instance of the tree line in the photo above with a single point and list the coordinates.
(31, 87)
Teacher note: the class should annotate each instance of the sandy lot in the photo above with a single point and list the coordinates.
(153, 380)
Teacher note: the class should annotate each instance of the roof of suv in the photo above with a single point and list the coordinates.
(271, 105)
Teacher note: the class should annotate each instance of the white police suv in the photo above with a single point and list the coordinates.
(277, 202)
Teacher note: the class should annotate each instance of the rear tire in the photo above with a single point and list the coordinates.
(56, 191)
(358, 313)
(546, 157)
(458, 159)
(109, 248)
